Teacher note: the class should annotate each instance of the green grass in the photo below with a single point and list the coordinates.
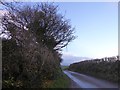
(64, 67)
(62, 82)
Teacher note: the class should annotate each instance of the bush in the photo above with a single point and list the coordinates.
(105, 69)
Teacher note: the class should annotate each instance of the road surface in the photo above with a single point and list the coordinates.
(83, 81)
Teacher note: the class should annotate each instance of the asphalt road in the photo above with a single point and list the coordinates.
(83, 81)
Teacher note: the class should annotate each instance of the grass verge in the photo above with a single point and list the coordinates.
(62, 82)
(64, 67)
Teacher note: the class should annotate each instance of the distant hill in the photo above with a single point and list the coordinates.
(69, 59)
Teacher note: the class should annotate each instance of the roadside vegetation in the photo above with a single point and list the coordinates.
(35, 35)
(61, 82)
(64, 67)
(100, 68)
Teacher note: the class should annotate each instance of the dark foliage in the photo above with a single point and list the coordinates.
(108, 70)
(31, 53)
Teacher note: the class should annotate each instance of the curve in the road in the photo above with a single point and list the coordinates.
(84, 81)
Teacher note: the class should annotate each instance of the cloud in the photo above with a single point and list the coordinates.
(69, 58)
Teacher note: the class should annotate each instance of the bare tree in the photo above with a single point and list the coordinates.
(45, 22)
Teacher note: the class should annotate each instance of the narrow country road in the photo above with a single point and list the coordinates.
(83, 81)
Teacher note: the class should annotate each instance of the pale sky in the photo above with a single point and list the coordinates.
(96, 25)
